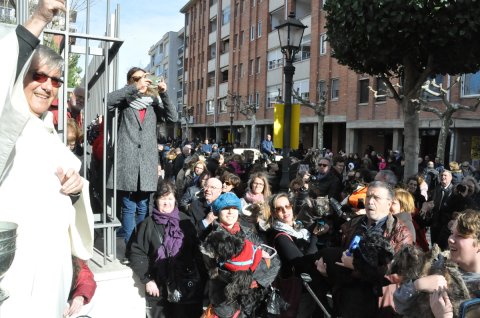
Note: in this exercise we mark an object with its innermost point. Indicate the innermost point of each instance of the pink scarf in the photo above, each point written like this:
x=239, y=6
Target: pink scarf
x=250, y=197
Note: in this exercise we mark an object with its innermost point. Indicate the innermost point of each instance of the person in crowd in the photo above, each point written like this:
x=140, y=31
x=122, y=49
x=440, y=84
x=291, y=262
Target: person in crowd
x=238, y=283
x=464, y=248
x=169, y=159
x=164, y=250
x=258, y=193
x=419, y=222
x=179, y=160
x=137, y=156
x=467, y=169
x=215, y=148
x=76, y=104
x=200, y=211
x=206, y=148
x=193, y=192
x=457, y=175
x=437, y=212
x=39, y=178
x=350, y=297
x=197, y=168
x=213, y=162
x=387, y=176
x=431, y=176
x=338, y=169
x=296, y=247
x=403, y=207
x=236, y=165
x=267, y=149
x=83, y=288
x=325, y=183
x=473, y=191
x=230, y=183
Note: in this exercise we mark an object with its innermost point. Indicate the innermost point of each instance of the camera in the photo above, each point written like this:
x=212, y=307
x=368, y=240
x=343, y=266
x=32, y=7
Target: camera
x=313, y=178
x=461, y=188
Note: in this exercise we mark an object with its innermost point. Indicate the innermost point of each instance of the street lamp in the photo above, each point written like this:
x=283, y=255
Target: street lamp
x=290, y=33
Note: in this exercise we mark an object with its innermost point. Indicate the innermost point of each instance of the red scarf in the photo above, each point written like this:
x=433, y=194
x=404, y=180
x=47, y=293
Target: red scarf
x=247, y=259
x=234, y=230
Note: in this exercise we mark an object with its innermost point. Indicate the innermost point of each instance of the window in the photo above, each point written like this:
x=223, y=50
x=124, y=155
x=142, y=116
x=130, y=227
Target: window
x=381, y=88
x=323, y=44
x=252, y=33
x=471, y=84
x=304, y=52
x=209, y=106
x=321, y=89
x=224, y=75
x=275, y=59
x=234, y=72
x=225, y=46
x=226, y=16
x=235, y=40
x=273, y=93
x=211, y=79
x=363, y=91
x=259, y=29
x=212, y=25
x=240, y=70
x=303, y=89
x=212, y=51
x=257, y=100
x=250, y=99
x=335, y=90
x=257, y=65
x=222, y=105
x=212, y=2
x=438, y=79
x=250, y=67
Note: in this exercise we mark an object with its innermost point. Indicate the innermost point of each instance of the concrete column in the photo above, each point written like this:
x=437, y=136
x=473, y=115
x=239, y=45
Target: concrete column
x=397, y=139
x=315, y=139
x=218, y=134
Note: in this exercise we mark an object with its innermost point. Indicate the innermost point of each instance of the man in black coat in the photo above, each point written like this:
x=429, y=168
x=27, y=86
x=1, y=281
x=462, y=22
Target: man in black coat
x=325, y=182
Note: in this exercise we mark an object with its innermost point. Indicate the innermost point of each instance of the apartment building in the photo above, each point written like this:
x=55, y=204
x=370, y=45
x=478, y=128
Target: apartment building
x=233, y=61
x=166, y=60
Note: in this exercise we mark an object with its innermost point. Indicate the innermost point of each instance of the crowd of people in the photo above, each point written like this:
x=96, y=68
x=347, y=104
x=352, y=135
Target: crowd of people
x=237, y=216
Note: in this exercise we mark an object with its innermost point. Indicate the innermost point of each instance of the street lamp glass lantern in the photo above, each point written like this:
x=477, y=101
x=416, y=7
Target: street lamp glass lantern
x=232, y=114
x=290, y=34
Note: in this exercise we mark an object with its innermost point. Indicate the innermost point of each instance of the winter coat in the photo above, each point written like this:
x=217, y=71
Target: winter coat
x=137, y=153
x=145, y=244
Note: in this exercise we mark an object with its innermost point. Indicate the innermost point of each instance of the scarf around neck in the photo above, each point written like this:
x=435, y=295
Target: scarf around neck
x=234, y=230
x=250, y=197
x=173, y=235
x=302, y=233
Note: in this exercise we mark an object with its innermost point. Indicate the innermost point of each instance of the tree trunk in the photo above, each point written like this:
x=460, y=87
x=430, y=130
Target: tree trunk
x=320, y=121
x=411, y=135
x=442, y=136
x=254, y=131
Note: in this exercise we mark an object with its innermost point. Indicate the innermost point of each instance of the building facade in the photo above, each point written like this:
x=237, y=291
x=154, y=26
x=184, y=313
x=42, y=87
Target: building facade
x=233, y=61
x=166, y=61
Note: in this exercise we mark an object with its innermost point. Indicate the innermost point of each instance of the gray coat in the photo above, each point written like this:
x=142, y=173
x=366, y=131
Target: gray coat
x=137, y=154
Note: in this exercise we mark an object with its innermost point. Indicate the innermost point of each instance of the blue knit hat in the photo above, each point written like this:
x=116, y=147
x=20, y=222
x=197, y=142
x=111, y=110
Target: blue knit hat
x=226, y=200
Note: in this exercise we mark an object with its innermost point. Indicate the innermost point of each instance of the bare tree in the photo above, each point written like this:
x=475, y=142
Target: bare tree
x=247, y=110
x=319, y=109
x=444, y=116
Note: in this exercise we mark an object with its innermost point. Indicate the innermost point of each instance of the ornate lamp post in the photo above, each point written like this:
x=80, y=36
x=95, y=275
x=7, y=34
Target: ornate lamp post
x=290, y=33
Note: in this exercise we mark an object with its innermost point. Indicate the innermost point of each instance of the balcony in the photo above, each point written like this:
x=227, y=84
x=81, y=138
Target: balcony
x=212, y=37
x=211, y=65
x=223, y=60
x=213, y=10
x=275, y=4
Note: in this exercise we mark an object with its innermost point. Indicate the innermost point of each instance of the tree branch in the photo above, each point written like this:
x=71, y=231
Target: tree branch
x=391, y=87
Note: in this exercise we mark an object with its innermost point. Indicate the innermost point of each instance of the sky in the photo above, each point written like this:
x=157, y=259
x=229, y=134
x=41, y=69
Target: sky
x=142, y=24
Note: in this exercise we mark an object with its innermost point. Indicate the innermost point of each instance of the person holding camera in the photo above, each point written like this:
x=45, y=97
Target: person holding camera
x=165, y=255
x=325, y=182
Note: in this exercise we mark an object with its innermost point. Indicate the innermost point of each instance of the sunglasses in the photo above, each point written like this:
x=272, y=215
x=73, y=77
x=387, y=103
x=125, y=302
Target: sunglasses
x=42, y=78
x=323, y=165
x=283, y=208
x=227, y=183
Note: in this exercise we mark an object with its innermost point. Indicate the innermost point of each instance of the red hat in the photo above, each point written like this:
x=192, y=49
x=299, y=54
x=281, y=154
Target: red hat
x=247, y=259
